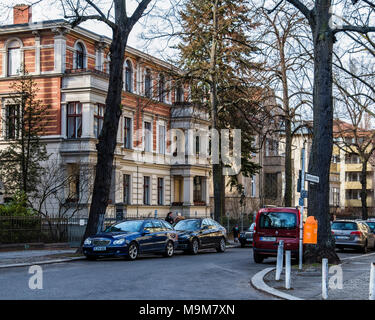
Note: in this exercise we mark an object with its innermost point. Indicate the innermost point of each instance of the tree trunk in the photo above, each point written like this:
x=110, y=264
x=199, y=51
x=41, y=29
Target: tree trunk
x=364, y=191
x=288, y=164
x=108, y=136
x=320, y=160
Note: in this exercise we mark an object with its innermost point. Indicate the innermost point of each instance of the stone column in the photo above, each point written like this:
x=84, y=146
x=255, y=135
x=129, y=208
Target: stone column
x=188, y=190
x=60, y=49
x=37, y=52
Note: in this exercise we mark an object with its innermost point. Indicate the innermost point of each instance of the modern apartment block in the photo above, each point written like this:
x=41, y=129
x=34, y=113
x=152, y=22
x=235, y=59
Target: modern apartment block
x=70, y=67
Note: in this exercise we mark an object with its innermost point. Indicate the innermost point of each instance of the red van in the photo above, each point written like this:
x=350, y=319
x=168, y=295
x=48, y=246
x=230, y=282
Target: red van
x=273, y=225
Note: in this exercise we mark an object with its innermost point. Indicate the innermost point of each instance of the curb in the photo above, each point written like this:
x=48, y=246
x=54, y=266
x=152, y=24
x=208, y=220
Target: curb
x=258, y=283
x=27, y=264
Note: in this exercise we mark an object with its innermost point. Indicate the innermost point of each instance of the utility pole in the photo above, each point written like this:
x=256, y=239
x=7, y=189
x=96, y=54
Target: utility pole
x=301, y=203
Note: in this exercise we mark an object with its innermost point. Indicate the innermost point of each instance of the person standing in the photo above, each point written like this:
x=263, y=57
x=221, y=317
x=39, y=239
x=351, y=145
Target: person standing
x=169, y=218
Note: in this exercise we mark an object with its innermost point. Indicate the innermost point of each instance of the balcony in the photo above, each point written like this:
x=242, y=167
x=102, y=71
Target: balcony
x=274, y=161
x=86, y=70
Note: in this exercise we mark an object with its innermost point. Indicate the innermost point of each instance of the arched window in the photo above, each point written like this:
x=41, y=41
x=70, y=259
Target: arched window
x=128, y=76
x=148, y=83
x=161, y=88
x=14, y=58
x=80, y=56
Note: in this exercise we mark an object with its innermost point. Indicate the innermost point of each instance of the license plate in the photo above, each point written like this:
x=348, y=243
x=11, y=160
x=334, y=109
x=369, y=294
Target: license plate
x=100, y=248
x=267, y=238
x=342, y=237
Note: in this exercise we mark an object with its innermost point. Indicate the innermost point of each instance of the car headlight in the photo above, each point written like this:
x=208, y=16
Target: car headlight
x=87, y=241
x=120, y=241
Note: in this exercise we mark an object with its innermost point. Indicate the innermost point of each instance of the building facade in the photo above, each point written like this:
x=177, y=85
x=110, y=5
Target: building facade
x=71, y=70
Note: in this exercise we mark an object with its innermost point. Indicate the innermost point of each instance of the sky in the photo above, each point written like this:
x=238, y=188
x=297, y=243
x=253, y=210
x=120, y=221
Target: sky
x=52, y=9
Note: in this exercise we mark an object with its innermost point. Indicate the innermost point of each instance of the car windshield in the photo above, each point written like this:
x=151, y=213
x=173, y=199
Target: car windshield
x=344, y=226
x=279, y=220
x=187, y=225
x=127, y=226
x=371, y=225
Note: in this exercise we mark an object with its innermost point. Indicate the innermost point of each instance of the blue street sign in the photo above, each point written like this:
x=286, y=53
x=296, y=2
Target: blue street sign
x=304, y=194
x=301, y=202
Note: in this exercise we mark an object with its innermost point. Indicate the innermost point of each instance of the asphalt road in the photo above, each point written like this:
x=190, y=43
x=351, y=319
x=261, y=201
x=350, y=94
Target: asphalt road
x=209, y=275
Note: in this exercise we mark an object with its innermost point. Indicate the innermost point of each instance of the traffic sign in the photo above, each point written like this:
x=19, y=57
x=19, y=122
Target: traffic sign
x=301, y=202
x=311, y=178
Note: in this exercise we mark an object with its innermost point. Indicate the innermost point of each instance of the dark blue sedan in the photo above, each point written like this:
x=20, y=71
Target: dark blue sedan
x=130, y=238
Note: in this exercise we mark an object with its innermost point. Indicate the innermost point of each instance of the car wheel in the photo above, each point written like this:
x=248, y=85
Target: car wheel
x=91, y=258
x=194, y=246
x=169, y=250
x=221, y=246
x=132, y=251
x=258, y=258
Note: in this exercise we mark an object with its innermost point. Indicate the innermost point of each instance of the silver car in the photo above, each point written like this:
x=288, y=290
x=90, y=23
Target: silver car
x=353, y=234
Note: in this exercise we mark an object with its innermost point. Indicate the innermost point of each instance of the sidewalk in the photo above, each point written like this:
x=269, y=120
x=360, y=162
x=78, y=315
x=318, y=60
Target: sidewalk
x=21, y=258
x=307, y=283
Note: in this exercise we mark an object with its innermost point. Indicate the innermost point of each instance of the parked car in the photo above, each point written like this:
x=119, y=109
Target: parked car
x=195, y=234
x=353, y=234
x=131, y=238
x=371, y=224
x=273, y=225
x=246, y=237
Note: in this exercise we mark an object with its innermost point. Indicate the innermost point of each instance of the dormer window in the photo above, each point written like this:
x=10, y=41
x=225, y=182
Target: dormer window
x=14, y=58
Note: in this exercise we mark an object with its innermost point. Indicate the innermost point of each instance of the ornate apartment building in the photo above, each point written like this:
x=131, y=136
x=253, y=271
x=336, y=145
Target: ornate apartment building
x=70, y=68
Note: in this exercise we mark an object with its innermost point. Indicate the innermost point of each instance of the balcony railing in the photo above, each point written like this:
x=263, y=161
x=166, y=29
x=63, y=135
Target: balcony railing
x=87, y=70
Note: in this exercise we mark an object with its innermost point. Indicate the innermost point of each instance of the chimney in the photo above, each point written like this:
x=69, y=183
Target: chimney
x=22, y=14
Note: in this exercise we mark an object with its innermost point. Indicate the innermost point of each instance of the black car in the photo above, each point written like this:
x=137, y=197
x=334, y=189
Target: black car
x=246, y=237
x=195, y=234
x=131, y=238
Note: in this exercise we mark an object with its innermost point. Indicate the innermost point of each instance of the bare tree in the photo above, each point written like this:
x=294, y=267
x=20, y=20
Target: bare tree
x=121, y=25
x=356, y=137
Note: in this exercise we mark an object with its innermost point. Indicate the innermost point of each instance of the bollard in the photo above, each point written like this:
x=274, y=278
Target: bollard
x=287, y=268
x=372, y=282
x=279, y=263
x=325, y=278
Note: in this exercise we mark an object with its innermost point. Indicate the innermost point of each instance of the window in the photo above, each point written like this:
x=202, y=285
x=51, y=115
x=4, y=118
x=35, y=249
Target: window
x=74, y=122
x=128, y=77
x=353, y=194
x=148, y=137
x=197, y=189
x=353, y=176
x=107, y=64
x=160, y=191
x=272, y=148
x=334, y=197
x=98, y=119
x=146, y=190
x=161, y=88
x=270, y=185
x=126, y=183
x=14, y=58
x=162, y=139
x=127, y=133
x=74, y=181
x=197, y=146
x=12, y=122
x=80, y=56
x=253, y=186
x=272, y=220
x=352, y=158
x=148, y=91
x=179, y=94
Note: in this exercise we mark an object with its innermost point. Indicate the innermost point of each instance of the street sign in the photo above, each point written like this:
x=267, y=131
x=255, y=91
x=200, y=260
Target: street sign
x=311, y=178
x=304, y=194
